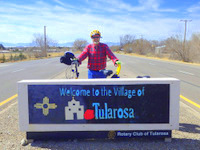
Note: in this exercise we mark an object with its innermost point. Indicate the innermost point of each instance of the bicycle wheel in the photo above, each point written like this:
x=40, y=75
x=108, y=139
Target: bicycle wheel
x=70, y=72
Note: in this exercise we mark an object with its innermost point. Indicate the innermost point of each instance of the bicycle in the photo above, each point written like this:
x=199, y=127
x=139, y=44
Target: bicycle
x=71, y=71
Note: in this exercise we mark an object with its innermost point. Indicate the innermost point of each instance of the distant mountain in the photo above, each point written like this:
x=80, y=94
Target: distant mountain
x=68, y=44
x=112, y=43
x=2, y=47
x=16, y=44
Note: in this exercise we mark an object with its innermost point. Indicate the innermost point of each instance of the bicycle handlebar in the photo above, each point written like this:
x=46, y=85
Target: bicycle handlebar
x=118, y=69
x=69, y=59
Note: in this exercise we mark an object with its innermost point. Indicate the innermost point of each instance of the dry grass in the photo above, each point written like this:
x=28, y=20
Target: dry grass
x=165, y=58
x=7, y=55
x=56, y=54
x=28, y=57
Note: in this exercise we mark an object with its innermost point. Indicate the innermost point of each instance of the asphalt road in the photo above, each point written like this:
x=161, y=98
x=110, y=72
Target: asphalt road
x=132, y=66
x=11, y=73
x=188, y=74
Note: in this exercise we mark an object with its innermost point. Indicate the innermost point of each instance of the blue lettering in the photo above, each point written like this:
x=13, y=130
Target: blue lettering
x=101, y=114
x=62, y=91
x=114, y=113
x=143, y=91
x=73, y=91
x=120, y=113
x=131, y=113
x=129, y=94
x=106, y=110
x=139, y=92
x=133, y=93
x=68, y=92
x=95, y=105
x=110, y=113
x=97, y=92
x=115, y=91
x=77, y=92
x=125, y=113
x=125, y=92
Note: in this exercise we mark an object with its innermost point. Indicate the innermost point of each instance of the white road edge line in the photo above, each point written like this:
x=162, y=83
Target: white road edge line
x=186, y=72
x=18, y=70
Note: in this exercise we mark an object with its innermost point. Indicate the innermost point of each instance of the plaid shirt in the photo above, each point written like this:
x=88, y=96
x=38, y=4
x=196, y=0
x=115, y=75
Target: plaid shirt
x=97, y=56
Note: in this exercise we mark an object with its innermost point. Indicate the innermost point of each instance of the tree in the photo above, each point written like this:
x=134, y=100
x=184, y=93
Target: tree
x=79, y=44
x=194, y=47
x=128, y=48
x=38, y=41
x=11, y=57
x=126, y=39
x=115, y=48
x=3, y=59
x=21, y=56
x=145, y=46
x=175, y=46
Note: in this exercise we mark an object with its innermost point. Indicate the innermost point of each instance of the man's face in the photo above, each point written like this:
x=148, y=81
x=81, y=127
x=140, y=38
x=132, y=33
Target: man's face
x=96, y=39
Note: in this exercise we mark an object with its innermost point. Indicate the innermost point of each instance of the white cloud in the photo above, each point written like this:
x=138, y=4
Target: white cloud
x=65, y=24
x=119, y=5
x=59, y=2
x=194, y=14
x=64, y=5
x=194, y=8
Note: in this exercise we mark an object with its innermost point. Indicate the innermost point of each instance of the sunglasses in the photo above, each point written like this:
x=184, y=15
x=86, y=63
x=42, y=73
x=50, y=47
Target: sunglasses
x=95, y=37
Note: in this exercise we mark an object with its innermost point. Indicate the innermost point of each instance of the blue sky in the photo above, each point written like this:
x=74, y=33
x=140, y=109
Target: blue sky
x=69, y=20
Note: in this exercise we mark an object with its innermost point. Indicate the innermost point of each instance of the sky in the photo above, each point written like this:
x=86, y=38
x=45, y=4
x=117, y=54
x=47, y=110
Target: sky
x=68, y=20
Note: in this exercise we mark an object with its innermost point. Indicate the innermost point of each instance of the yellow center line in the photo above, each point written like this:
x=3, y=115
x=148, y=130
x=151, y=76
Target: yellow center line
x=9, y=99
x=181, y=96
x=191, y=102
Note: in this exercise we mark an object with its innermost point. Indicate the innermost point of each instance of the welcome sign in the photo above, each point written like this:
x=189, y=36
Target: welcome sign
x=103, y=104
x=98, y=104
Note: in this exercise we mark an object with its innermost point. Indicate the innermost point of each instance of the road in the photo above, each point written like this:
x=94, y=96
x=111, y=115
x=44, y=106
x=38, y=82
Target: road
x=11, y=73
x=132, y=66
x=188, y=74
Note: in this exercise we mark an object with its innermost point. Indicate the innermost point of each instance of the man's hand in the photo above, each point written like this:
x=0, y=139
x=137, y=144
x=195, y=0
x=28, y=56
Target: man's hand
x=118, y=62
x=75, y=61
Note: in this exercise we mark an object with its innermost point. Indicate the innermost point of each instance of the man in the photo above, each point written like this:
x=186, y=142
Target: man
x=97, y=53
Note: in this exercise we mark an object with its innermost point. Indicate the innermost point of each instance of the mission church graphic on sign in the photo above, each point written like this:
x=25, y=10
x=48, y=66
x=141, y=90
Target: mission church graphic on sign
x=74, y=108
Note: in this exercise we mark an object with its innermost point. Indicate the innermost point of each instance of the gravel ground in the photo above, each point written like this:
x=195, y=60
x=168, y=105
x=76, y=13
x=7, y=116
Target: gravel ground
x=187, y=137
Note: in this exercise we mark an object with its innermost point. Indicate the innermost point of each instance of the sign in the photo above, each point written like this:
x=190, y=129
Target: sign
x=99, y=134
x=75, y=104
x=98, y=105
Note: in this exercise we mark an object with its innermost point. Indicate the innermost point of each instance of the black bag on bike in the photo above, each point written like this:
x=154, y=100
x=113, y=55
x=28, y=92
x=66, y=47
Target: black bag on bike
x=67, y=58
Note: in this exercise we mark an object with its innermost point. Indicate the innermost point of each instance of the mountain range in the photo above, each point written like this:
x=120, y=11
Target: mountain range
x=68, y=44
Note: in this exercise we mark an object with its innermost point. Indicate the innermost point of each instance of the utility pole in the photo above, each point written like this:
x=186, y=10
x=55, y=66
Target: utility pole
x=186, y=21
x=45, y=42
x=141, y=51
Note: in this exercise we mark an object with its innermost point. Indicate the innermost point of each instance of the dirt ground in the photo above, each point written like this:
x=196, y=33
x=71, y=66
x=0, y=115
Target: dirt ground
x=187, y=137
